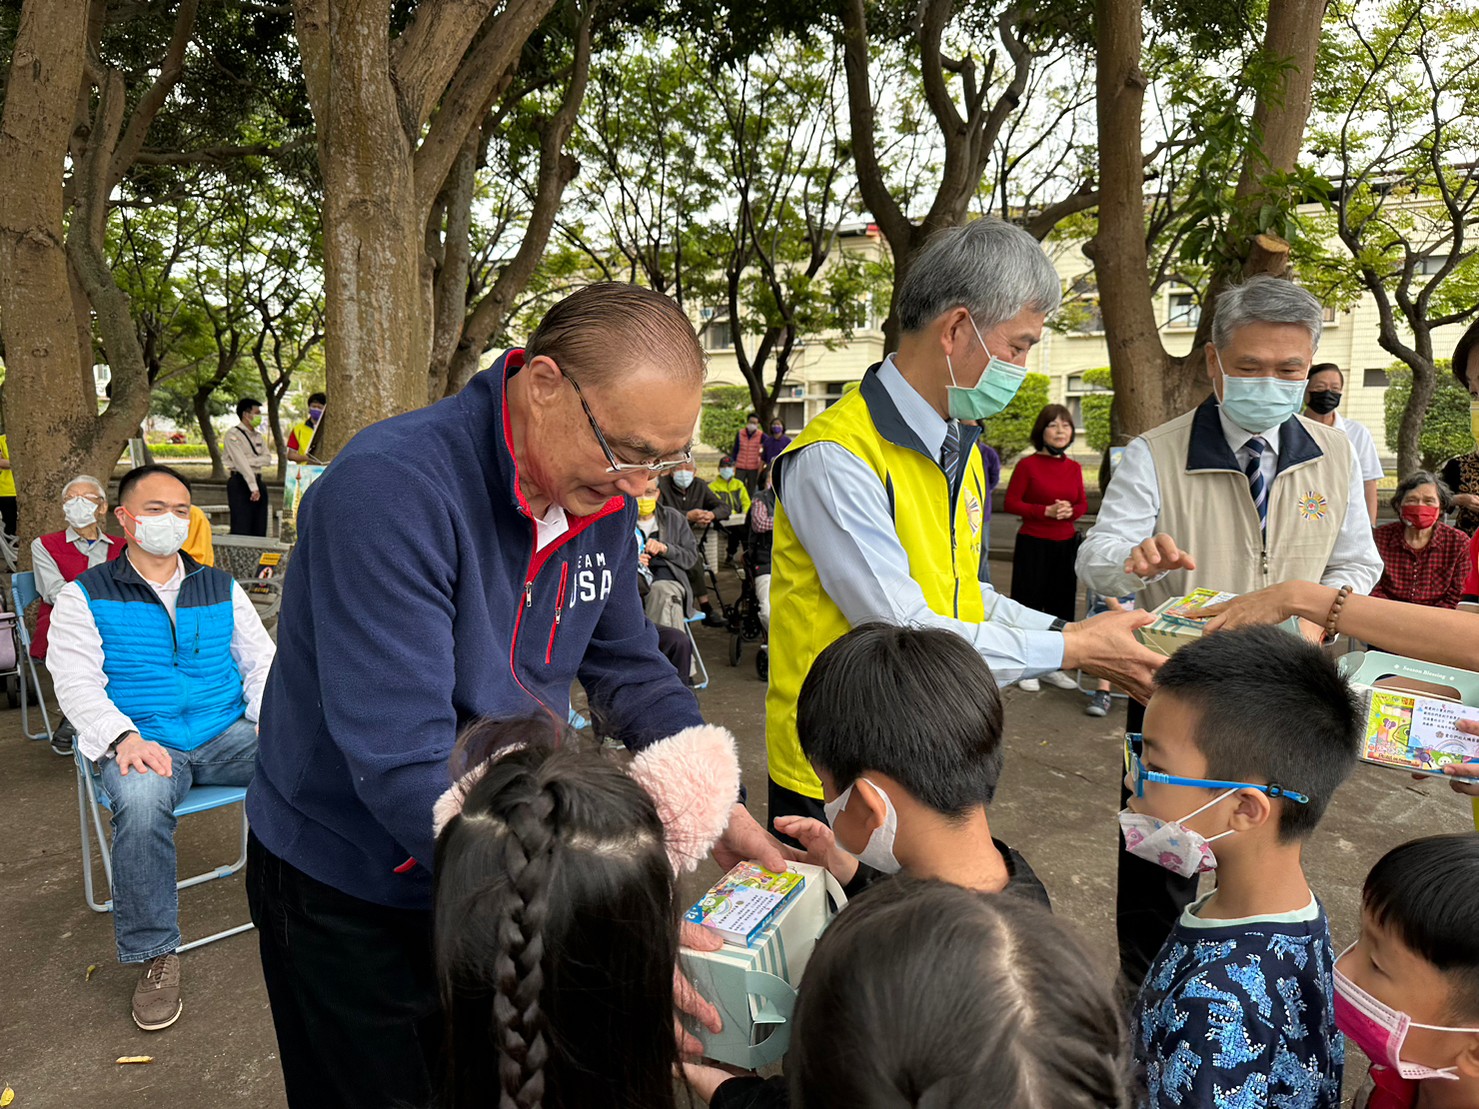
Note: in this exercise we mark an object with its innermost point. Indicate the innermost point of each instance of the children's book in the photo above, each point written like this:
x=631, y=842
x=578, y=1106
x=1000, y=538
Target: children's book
x=1412, y=732
x=1411, y=711
x=741, y=904
x=1177, y=621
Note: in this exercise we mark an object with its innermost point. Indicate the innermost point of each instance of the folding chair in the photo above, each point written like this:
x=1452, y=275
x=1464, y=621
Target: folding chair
x=91, y=798
x=698, y=658
x=23, y=594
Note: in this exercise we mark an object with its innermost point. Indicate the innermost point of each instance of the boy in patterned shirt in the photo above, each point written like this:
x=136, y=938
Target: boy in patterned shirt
x=1247, y=736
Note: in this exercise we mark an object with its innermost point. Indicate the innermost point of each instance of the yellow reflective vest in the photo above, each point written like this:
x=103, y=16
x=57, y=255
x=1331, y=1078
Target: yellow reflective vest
x=941, y=536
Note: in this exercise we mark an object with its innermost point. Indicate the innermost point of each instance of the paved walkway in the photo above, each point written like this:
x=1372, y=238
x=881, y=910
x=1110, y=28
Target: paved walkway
x=60, y=1031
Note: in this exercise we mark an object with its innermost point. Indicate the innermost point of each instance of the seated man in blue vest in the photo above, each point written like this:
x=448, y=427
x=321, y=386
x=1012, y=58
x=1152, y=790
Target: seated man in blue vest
x=159, y=663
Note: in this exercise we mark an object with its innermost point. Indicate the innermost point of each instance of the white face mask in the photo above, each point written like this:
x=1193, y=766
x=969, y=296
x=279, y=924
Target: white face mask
x=878, y=852
x=80, y=512
x=161, y=535
x=1169, y=843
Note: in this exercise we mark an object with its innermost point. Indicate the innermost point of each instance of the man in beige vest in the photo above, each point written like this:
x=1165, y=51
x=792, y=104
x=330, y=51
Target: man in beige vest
x=1237, y=494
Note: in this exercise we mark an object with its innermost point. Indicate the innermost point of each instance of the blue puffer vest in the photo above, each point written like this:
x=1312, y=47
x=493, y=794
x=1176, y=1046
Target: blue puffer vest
x=177, y=682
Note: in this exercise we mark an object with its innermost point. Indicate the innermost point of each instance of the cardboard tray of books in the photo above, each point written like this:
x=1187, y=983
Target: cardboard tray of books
x=1411, y=708
x=753, y=984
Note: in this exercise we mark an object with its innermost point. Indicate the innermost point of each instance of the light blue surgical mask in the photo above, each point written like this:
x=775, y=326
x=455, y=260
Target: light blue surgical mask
x=682, y=478
x=726, y=472
x=999, y=383
x=1257, y=404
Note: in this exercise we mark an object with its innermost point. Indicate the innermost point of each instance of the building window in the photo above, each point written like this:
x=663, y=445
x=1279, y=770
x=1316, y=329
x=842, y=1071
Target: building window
x=1374, y=379
x=716, y=333
x=1185, y=311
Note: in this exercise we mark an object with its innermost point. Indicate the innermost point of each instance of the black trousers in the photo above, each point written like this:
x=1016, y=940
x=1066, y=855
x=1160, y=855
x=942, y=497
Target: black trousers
x=1043, y=576
x=9, y=515
x=751, y=478
x=352, y=987
x=248, y=517
x=1148, y=897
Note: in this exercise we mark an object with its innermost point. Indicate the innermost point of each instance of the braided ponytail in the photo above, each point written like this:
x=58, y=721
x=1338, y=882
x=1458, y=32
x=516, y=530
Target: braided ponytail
x=555, y=930
x=519, y=1024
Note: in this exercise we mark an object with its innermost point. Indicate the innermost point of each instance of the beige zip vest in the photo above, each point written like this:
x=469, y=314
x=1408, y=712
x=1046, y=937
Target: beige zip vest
x=1207, y=508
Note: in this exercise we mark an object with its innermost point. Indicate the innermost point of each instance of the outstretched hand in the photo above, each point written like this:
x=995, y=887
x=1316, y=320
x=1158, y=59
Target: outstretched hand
x=1105, y=646
x=744, y=841
x=1265, y=606
x=820, y=844
x=1157, y=555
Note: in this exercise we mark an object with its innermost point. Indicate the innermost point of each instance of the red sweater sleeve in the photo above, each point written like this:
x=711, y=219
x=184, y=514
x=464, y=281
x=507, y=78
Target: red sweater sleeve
x=1017, y=491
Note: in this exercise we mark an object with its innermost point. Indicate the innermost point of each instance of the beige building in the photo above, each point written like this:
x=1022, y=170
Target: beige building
x=821, y=369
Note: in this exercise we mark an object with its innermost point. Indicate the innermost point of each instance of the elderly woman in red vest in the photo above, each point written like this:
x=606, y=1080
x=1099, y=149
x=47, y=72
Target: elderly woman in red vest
x=61, y=556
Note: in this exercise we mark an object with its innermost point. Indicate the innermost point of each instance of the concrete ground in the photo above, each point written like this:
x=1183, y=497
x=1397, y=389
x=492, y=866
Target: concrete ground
x=61, y=1030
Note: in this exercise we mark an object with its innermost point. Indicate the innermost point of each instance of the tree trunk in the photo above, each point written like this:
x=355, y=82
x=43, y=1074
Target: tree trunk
x=1137, y=360
x=52, y=424
x=201, y=402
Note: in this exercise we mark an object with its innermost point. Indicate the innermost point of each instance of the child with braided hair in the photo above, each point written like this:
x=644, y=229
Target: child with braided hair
x=555, y=923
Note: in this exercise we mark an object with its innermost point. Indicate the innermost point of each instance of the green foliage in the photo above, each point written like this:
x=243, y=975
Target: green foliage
x=724, y=411
x=178, y=450
x=1096, y=408
x=1010, y=432
x=1446, y=431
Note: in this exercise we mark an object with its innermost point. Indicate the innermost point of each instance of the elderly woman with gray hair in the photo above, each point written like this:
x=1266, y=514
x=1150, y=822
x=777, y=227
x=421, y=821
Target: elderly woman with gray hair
x=61, y=556
x=1425, y=559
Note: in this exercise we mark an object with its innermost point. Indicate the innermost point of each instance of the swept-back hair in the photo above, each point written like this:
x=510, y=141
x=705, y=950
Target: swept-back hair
x=596, y=333
x=926, y=994
x=555, y=930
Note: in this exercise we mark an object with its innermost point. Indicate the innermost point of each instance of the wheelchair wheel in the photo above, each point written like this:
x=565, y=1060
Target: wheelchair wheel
x=736, y=649
x=762, y=663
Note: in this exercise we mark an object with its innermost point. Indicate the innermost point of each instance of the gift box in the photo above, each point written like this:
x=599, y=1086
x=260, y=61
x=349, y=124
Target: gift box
x=754, y=987
x=1176, y=623
x=1410, y=711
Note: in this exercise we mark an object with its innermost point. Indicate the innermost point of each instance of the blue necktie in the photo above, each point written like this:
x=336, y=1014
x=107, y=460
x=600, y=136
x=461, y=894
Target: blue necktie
x=1256, y=486
x=950, y=453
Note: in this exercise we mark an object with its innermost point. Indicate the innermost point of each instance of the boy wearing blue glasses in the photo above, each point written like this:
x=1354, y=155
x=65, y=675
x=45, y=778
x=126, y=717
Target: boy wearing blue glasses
x=1246, y=738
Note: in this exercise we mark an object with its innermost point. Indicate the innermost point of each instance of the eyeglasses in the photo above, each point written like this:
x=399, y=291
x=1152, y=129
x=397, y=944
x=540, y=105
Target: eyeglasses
x=615, y=467
x=1138, y=775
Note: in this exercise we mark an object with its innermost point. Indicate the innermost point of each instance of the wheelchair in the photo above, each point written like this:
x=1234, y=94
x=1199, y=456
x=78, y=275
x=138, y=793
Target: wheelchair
x=743, y=617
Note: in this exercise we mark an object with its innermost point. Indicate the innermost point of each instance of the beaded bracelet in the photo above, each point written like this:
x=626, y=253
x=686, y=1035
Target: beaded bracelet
x=1335, y=607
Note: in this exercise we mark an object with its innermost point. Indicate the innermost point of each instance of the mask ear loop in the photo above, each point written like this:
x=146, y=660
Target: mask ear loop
x=1215, y=801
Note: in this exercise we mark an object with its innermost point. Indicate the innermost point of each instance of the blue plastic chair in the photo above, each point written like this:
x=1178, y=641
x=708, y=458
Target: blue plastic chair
x=92, y=798
x=23, y=594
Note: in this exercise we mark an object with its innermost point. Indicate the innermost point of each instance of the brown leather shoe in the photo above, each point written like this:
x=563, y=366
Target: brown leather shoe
x=157, y=1001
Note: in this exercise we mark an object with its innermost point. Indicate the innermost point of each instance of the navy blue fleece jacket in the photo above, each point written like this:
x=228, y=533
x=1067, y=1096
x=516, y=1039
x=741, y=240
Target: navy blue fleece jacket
x=415, y=603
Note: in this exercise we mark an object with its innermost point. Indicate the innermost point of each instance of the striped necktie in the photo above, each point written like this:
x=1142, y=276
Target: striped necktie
x=950, y=453
x=1256, y=486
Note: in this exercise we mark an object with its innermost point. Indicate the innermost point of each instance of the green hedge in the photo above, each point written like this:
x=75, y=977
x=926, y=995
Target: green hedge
x=1446, y=432
x=1010, y=432
x=1096, y=408
x=177, y=450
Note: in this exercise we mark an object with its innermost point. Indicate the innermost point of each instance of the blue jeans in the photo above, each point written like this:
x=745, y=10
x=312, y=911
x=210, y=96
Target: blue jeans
x=145, y=901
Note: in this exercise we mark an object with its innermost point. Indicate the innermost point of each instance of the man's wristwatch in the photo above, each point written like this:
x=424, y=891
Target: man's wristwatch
x=1058, y=624
x=112, y=751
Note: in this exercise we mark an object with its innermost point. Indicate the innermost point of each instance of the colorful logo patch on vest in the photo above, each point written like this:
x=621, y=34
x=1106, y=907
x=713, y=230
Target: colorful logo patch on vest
x=1312, y=506
x=973, y=512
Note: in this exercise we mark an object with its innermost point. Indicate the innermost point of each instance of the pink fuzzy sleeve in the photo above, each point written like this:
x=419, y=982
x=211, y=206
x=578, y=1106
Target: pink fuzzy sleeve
x=694, y=779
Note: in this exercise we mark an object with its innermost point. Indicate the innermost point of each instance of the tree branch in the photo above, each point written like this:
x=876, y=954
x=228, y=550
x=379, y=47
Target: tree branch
x=154, y=97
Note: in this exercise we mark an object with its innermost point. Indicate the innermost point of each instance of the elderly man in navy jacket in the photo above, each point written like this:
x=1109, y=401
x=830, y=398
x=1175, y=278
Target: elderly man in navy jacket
x=467, y=560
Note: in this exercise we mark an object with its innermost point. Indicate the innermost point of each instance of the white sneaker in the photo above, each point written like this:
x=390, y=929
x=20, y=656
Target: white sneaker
x=1029, y=684
x=1059, y=680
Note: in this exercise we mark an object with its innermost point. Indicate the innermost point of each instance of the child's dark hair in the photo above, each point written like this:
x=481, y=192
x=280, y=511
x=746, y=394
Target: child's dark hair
x=555, y=930
x=1426, y=892
x=1271, y=709
x=924, y=993
x=917, y=704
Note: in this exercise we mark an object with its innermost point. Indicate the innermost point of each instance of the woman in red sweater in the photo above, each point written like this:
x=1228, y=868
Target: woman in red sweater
x=1047, y=491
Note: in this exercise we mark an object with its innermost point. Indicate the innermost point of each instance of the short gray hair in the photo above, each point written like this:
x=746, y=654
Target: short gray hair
x=1416, y=480
x=1265, y=299
x=86, y=479
x=988, y=266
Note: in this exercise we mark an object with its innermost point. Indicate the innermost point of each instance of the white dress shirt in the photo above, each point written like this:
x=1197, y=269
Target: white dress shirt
x=1365, y=449
x=1132, y=505
x=75, y=659
x=245, y=452
x=49, y=579
x=840, y=512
